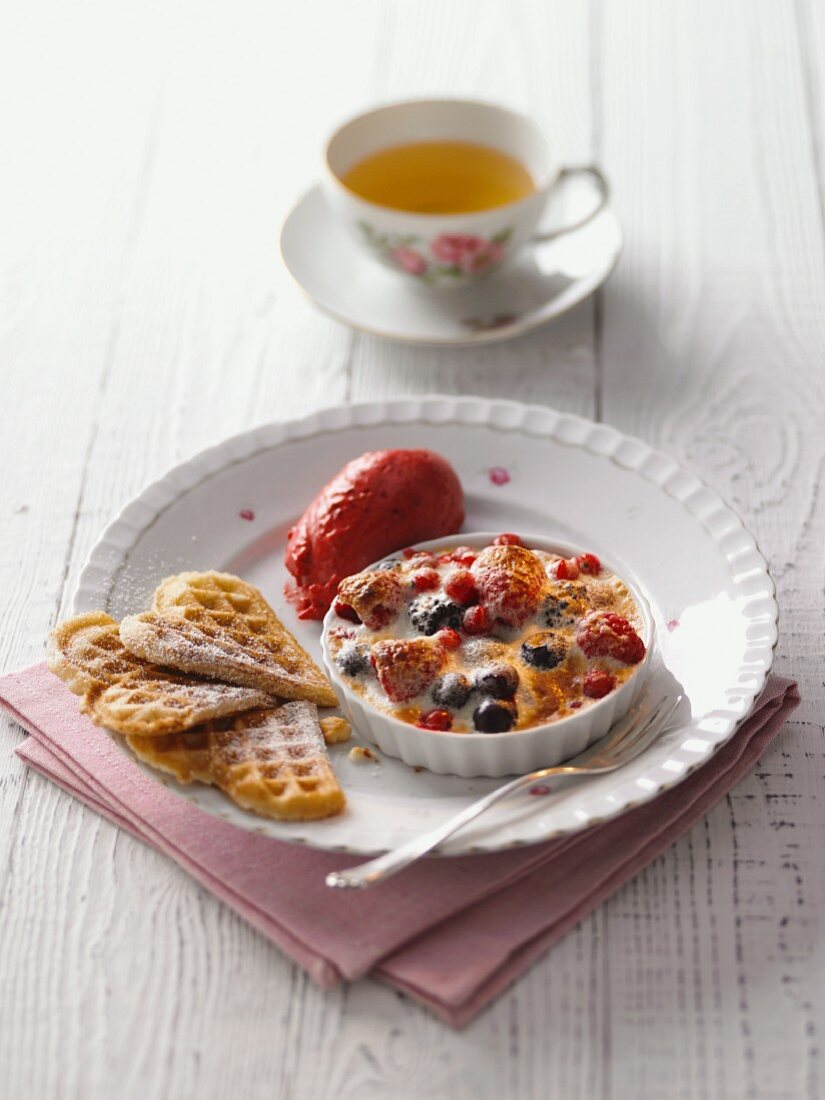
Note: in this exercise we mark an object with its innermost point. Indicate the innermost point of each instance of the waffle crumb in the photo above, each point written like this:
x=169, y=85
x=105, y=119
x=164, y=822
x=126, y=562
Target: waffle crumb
x=335, y=730
x=361, y=755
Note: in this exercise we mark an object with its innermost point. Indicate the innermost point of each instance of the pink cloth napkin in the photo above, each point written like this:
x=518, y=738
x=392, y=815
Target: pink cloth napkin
x=452, y=933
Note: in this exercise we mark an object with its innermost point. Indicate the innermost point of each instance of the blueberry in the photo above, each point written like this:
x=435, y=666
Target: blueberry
x=451, y=690
x=544, y=650
x=352, y=659
x=499, y=681
x=494, y=716
x=433, y=611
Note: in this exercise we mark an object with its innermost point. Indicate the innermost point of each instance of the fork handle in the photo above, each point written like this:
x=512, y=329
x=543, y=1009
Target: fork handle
x=375, y=870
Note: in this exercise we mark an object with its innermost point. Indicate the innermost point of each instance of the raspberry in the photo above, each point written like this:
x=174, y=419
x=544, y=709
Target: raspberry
x=409, y=551
x=507, y=539
x=461, y=587
x=344, y=611
x=425, y=579
x=605, y=634
x=435, y=720
x=421, y=559
x=598, y=683
x=449, y=638
x=477, y=620
x=589, y=563
x=567, y=569
x=462, y=555
x=406, y=666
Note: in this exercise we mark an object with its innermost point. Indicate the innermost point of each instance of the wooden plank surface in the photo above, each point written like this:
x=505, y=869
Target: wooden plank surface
x=149, y=158
x=719, y=310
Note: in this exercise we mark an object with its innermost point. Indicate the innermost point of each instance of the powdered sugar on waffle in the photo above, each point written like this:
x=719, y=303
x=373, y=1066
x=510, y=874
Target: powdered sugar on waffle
x=180, y=643
x=291, y=731
x=204, y=648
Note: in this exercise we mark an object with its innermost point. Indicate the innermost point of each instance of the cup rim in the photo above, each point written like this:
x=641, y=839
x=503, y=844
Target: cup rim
x=539, y=542
x=438, y=220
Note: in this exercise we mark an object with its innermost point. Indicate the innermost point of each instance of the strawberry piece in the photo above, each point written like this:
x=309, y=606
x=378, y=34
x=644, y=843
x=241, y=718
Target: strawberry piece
x=377, y=597
x=406, y=666
x=440, y=720
x=589, y=563
x=605, y=634
x=426, y=579
x=510, y=580
x=507, y=539
x=461, y=587
x=598, y=683
x=477, y=620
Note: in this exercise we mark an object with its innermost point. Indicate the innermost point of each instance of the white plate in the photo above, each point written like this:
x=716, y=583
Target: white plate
x=543, y=283
x=570, y=479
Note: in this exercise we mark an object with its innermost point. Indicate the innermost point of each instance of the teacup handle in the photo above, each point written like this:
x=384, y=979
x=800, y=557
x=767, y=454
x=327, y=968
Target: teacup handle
x=604, y=195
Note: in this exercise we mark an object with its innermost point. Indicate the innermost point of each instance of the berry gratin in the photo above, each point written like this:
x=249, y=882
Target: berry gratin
x=487, y=639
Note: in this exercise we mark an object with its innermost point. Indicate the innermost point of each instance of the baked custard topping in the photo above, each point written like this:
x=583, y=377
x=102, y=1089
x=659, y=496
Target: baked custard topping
x=485, y=639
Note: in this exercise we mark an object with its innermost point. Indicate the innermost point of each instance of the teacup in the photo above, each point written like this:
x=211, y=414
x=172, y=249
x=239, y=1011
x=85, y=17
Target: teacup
x=445, y=251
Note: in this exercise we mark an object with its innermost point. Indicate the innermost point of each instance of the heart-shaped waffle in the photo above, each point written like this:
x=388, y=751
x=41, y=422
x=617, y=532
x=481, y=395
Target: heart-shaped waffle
x=217, y=625
x=272, y=762
x=132, y=696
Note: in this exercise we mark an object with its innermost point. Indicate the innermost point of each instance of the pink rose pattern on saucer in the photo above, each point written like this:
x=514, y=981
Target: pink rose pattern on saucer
x=472, y=255
x=449, y=257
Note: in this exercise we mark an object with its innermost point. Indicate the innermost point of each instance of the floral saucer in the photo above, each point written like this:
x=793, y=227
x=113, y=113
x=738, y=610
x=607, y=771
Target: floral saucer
x=546, y=280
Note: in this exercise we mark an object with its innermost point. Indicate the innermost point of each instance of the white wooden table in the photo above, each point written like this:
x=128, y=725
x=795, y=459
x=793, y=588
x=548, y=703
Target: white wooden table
x=149, y=151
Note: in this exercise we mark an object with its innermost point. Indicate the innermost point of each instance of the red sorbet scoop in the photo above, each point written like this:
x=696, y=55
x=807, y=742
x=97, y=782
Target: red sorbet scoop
x=378, y=503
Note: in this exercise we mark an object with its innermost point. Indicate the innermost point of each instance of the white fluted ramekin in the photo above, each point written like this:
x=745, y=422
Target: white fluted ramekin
x=495, y=754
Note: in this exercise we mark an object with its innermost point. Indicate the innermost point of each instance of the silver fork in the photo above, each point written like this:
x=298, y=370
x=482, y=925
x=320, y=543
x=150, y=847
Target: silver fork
x=623, y=743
